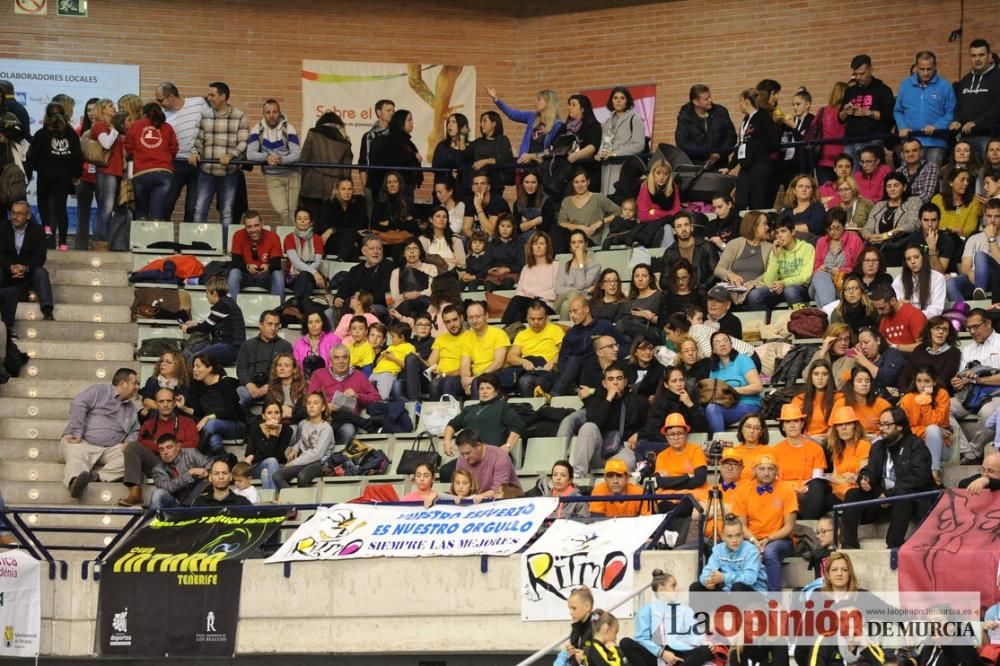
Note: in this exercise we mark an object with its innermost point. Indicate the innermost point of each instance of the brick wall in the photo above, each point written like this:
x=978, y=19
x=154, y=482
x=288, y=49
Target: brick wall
x=257, y=47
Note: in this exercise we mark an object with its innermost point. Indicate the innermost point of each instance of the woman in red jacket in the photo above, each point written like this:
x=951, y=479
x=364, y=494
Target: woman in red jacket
x=152, y=143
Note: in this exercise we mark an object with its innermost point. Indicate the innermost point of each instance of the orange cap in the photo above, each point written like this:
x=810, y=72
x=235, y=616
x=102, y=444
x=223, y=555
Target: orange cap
x=791, y=412
x=843, y=415
x=766, y=460
x=615, y=466
x=730, y=453
x=675, y=420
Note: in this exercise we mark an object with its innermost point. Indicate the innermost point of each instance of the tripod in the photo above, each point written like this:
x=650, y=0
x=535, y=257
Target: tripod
x=716, y=508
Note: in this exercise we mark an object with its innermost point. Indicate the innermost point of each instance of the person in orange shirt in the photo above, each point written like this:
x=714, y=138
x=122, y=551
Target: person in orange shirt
x=616, y=483
x=752, y=436
x=859, y=395
x=817, y=402
x=768, y=509
x=802, y=463
x=681, y=468
x=731, y=469
x=927, y=406
x=849, y=452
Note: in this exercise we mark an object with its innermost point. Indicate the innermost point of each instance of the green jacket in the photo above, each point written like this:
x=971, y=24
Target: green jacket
x=493, y=420
x=791, y=267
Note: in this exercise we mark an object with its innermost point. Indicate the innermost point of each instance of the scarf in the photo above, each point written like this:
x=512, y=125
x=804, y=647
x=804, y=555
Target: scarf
x=305, y=248
x=166, y=383
x=575, y=125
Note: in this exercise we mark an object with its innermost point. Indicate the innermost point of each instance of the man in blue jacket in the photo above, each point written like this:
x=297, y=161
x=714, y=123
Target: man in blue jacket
x=926, y=103
x=735, y=564
x=577, y=351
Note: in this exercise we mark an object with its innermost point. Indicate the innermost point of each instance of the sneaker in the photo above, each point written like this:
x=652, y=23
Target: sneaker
x=979, y=294
x=78, y=485
x=47, y=316
x=63, y=247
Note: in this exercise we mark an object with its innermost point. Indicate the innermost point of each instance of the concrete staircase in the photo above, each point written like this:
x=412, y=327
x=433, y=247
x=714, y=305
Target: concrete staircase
x=89, y=340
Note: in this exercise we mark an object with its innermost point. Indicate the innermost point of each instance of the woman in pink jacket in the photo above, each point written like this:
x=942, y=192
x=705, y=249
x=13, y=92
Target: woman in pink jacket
x=836, y=252
x=659, y=199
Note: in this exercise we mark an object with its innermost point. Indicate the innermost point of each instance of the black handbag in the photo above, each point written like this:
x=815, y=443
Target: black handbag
x=414, y=456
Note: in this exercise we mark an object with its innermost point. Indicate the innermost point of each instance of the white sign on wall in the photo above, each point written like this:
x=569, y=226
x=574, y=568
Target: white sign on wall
x=20, y=604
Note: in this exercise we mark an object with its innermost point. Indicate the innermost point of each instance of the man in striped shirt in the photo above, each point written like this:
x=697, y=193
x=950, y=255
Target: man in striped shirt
x=222, y=135
x=184, y=115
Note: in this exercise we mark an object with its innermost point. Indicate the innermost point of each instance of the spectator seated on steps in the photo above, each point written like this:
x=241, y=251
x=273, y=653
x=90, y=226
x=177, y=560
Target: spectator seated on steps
x=224, y=325
x=23, y=255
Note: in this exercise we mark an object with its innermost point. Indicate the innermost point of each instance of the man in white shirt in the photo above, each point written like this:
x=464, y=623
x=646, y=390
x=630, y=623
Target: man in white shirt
x=184, y=115
x=984, y=349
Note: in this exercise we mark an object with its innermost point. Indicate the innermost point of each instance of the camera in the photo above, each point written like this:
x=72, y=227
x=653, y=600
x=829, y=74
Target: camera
x=713, y=451
x=260, y=378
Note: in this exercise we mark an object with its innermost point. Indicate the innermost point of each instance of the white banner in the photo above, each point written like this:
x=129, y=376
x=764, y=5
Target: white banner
x=572, y=554
x=20, y=604
x=36, y=82
x=429, y=92
x=349, y=531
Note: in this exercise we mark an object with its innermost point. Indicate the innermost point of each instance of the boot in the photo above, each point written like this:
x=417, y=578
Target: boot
x=134, y=497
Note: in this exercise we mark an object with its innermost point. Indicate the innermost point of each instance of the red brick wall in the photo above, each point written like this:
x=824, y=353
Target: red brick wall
x=257, y=47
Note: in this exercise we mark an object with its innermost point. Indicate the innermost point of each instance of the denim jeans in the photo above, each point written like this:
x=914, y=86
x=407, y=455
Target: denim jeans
x=821, y=288
x=451, y=385
x=151, y=191
x=217, y=430
x=984, y=267
x=161, y=499
x=979, y=144
x=220, y=351
x=107, y=199
x=264, y=470
x=762, y=298
x=719, y=417
x=934, y=438
x=273, y=280
x=774, y=554
x=936, y=155
x=207, y=186
x=184, y=177
x=85, y=192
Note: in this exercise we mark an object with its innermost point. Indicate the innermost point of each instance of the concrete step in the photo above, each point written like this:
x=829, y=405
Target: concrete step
x=51, y=493
x=36, y=386
x=31, y=471
x=52, y=331
x=90, y=295
x=34, y=408
x=37, y=428
x=82, y=258
x=73, y=313
x=952, y=474
x=86, y=276
x=18, y=451
x=93, y=371
x=81, y=351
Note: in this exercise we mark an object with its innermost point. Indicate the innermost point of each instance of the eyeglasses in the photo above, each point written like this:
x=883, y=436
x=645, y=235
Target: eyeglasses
x=676, y=435
x=852, y=288
x=610, y=280
x=883, y=424
x=613, y=345
x=974, y=327
x=846, y=340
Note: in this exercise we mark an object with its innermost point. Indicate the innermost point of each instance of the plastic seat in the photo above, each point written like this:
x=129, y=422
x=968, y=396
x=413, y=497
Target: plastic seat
x=566, y=401
x=204, y=232
x=541, y=452
x=147, y=332
x=616, y=259
x=253, y=304
x=266, y=494
x=145, y=233
x=296, y=495
x=336, y=493
x=283, y=230
x=139, y=260
x=751, y=316
x=200, y=307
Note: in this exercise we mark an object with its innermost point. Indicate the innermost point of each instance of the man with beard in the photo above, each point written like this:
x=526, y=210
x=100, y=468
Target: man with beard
x=899, y=464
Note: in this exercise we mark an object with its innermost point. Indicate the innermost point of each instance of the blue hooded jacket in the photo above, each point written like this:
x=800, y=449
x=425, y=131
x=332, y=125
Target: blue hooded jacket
x=919, y=106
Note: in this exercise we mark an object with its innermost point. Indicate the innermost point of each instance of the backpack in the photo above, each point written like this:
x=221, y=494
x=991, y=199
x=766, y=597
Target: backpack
x=808, y=323
x=155, y=347
x=13, y=185
x=392, y=417
x=161, y=303
x=93, y=151
x=15, y=358
x=788, y=369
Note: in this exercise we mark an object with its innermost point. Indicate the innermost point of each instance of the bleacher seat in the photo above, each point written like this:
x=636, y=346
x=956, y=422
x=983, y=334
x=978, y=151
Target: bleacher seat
x=566, y=401
x=204, y=232
x=331, y=268
x=540, y=453
x=283, y=230
x=144, y=233
x=296, y=495
x=200, y=307
x=140, y=260
x=147, y=332
x=616, y=259
x=255, y=303
x=336, y=493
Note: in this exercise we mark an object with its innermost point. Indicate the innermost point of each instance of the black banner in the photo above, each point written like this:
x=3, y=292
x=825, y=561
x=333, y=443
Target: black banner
x=173, y=588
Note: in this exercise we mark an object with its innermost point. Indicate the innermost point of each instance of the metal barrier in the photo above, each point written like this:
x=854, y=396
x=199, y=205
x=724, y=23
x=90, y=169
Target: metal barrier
x=879, y=501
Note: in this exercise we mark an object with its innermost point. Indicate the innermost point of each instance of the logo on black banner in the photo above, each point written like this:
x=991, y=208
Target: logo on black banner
x=120, y=636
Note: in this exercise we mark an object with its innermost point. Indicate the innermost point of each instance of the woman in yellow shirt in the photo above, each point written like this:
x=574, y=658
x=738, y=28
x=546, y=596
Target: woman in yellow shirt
x=958, y=204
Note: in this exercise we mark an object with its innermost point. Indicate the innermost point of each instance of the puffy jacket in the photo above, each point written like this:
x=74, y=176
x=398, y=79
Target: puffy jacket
x=699, y=137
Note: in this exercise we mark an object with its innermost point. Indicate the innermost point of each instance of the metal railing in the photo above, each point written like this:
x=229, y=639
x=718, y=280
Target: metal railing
x=879, y=501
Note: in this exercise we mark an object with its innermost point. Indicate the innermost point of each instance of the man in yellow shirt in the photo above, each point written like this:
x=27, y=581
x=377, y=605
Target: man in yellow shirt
x=535, y=350
x=445, y=362
x=486, y=349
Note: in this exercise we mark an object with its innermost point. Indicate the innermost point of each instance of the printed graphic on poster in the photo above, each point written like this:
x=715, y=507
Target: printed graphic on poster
x=350, y=531
x=351, y=89
x=20, y=604
x=571, y=554
x=31, y=7
x=191, y=564
x=643, y=96
x=36, y=82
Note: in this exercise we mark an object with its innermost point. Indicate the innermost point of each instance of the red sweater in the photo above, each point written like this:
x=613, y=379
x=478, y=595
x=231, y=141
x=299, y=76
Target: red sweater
x=116, y=163
x=151, y=148
x=268, y=250
x=904, y=327
x=181, y=426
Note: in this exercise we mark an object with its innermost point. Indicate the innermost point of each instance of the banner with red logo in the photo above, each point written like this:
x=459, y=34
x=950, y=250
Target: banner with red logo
x=20, y=604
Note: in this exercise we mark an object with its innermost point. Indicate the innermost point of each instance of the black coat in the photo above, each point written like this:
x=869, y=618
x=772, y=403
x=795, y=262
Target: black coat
x=704, y=260
x=667, y=403
x=911, y=461
x=395, y=150
x=374, y=280
x=33, y=252
x=699, y=138
x=607, y=415
x=761, y=140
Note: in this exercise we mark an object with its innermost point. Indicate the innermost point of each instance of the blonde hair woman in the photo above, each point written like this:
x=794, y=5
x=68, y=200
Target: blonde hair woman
x=543, y=124
x=849, y=198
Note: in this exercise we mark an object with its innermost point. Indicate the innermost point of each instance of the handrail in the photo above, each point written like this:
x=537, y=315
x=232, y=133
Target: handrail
x=860, y=504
